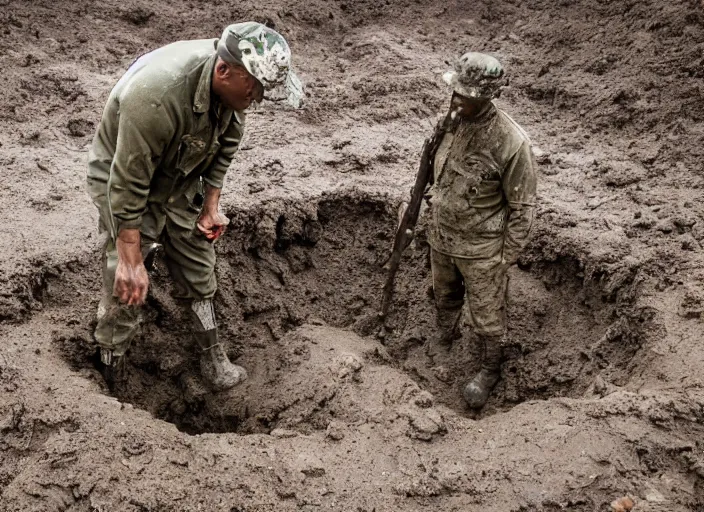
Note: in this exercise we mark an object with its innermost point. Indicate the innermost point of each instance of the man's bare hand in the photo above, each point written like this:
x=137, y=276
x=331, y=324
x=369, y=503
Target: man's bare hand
x=131, y=284
x=131, y=278
x=212, y=224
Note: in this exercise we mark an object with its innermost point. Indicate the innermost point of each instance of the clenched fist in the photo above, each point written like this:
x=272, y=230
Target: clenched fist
x=212, y=224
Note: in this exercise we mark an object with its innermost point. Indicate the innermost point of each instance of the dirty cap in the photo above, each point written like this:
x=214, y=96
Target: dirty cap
x=265, y=54
x=476, y=75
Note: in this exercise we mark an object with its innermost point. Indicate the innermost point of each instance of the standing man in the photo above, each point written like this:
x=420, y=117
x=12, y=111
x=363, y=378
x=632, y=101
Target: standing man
x=168, y=134
x=482, y=202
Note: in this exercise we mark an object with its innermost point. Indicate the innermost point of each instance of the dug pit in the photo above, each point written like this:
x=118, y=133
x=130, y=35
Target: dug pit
x=299, y=291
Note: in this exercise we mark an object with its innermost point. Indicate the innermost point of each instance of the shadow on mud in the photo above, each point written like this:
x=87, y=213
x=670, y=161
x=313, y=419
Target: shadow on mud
x=283, y=265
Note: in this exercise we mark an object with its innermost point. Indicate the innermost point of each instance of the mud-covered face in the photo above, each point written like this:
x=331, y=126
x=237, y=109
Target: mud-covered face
x=236, y=87
x=467, y=107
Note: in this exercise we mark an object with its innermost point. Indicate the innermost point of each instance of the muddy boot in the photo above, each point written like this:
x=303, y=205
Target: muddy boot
x=112, y=367
x=215, y=367
x=477, y=391
x=448, y=322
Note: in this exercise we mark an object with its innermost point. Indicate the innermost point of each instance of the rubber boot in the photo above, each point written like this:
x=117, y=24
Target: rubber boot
x=112, y=368
x=215, y=366
x=448, y=320
x=477, y=391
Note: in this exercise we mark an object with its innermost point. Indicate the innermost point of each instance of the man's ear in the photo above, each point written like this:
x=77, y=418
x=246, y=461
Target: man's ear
x=223, y=70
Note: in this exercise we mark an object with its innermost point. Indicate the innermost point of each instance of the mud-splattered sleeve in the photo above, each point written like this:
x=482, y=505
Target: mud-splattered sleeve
x=519, y=184
x=229, y=144
x=145, y=126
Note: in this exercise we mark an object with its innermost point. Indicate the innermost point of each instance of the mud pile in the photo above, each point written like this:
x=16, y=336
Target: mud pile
x=601, y=389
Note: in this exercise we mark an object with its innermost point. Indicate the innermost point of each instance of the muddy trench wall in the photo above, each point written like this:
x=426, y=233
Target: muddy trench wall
x=283, y=265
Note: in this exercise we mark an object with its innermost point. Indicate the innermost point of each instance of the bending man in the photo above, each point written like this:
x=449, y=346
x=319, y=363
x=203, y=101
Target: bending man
x=167, y=136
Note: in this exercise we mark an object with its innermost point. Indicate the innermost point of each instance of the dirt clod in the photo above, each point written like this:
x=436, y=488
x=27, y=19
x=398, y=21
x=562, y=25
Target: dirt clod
x=138, y=15
x=624, y=504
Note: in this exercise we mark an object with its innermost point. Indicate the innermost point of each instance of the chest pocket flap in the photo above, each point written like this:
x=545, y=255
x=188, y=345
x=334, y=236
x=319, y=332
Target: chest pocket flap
x=191, y=152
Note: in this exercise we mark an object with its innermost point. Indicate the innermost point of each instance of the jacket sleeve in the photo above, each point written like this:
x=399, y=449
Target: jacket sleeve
x=145, y=127
x=519, y=184
x=229, y=144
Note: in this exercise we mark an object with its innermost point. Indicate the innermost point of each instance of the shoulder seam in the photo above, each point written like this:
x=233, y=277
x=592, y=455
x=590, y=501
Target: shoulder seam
x=517, y=126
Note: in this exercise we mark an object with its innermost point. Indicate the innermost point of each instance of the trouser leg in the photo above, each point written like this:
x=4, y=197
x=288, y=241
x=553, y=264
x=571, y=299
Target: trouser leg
x=190, y=258
x=191, y=262
x=117, y=323
x=449, y=290
x=486, y=283
x=487, y=287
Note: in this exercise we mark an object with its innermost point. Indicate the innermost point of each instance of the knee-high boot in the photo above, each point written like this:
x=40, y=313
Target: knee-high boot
x=215, y=366
x=477, y=391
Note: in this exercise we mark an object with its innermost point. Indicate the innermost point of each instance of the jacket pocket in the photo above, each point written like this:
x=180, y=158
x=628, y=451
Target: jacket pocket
x=454, y=194
x=195, y=195
x=486, y=195
x=191, y=152
x=209, y=157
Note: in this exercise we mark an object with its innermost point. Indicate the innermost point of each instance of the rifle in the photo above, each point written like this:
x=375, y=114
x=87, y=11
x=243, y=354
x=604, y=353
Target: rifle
x=404, y=233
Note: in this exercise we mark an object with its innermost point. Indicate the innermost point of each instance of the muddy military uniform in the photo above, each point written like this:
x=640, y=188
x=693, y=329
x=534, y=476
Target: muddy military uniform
x=482, y=211
x=482, y=206
x=163, y=136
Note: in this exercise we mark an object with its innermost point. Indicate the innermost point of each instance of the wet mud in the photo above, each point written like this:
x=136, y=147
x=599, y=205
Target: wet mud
x=601, y=391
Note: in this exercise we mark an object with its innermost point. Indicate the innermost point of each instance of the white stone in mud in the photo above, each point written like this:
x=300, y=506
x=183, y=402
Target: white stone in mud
x=347, y=364
x=335, y=431
x=654, y=496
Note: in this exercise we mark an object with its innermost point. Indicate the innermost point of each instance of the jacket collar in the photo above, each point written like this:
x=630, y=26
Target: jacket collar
x=486, y=114
x=201, y=100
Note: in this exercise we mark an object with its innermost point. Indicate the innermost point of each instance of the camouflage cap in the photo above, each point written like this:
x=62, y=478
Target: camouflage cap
x=265, y=54
x=476, y=75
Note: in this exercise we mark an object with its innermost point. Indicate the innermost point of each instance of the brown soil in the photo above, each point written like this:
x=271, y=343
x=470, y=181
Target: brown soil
x=601, y=395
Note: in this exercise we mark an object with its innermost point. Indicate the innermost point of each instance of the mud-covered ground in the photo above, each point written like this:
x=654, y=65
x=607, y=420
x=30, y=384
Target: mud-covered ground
x=601, y=396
